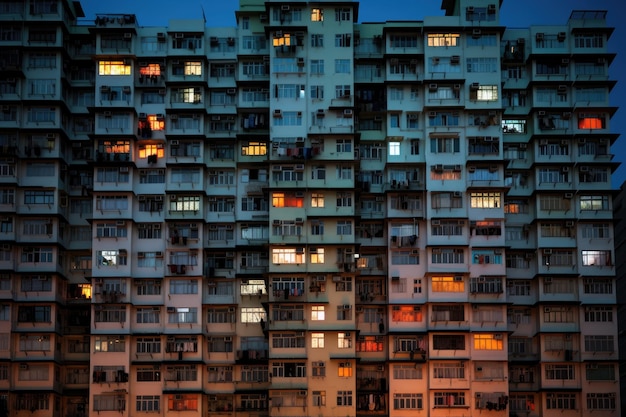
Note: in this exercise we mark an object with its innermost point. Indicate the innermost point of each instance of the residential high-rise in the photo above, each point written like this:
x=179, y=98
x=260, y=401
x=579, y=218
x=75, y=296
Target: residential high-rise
x=304, y=215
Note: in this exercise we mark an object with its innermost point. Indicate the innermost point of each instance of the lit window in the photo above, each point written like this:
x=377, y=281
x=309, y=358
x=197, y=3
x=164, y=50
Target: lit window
x=485, y=200
x=317, y=340
x=394, y=148
x=287, y=200
x=488, y=342
x=146, y=151
x=317, y=200
x=113, y=68
x=448, y=284
x=193, y=68
x=443, y=39
x=317, y=255
x=156, y=122
x=484, y=93
x=151, y=69
x=254, y=149
x=591, y=121
x=318, y=313
x=345, y=370
x=287, y=256
x=317, y=15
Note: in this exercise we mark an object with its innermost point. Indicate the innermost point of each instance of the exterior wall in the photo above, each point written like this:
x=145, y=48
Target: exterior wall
x=306, y=215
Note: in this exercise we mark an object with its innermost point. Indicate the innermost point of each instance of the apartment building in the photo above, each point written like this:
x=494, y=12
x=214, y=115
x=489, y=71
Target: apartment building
x=305, y=215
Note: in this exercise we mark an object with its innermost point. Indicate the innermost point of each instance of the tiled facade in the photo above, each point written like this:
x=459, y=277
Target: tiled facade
x=302, y=215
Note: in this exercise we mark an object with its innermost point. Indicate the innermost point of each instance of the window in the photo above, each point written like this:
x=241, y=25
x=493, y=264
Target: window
x=148, y=287
x=148, y=315
x=488, y=342
x=343, y=40
x=343, y=14
x=448, y=342
x=317, y=15
x=318, y=313
x=561, y=401
x=558, y=314
x=182, y=402
x=149, y=345
x=408, y=401
x=449, y=399
x=560, y=371
x=344, y=341
x=36, y=255
x=409, y=314
x=484, y=93
x=114, y=68
x=407, y=372
x=599, y=343
x=449, y=370
x=594, y=202
x=252, y=314
x=179, y=315
x=598, y=314
x=370, y=343
x=394, y=148
x=289, y=369
x=148, y=403
x=317, y=40
x=319, y=398
x=485, y=200
x=109, y=344
x=447, y=256
x=317, y=340
x=596, y=258
x=600, y=372
x=601, y=401
x=443, y=39
x=588, y=40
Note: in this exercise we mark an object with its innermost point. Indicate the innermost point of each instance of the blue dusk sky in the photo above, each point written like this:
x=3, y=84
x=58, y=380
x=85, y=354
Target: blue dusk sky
x=515, y=13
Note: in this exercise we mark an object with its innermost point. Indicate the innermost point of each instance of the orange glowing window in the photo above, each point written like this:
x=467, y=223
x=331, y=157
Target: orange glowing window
x=148, y=150
x=151, y=69
x=287, y=200
x=156, y=123
x=591, y=122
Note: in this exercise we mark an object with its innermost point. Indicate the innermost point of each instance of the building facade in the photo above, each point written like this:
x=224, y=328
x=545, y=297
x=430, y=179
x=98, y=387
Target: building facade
x=304, y=215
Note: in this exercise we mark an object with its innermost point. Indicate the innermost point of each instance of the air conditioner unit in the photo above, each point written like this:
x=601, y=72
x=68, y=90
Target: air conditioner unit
x=476, y=32
x=436, y=222
x=347, y=113
x=299, y=167
x=432, y=114
x=569, y=195
x=565, y=61
x=173, y=197
x=457, y=194
x=179, y=35
x=174, y=143
x=432, y=87
x=231, y=91
x=541, y=113
x=23, y=366
x=346, y=307
x=277, y=113
x=539, y=36
x=561, y=36
x=285, y=7
x=336, y=278
x=299, y=220
x=475, y=86
x=569, y=223
x=455, y=59
x=128, y=35
x=547, y=251
x=171, y=309
x=107, y=114
x=161, y=37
